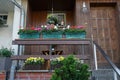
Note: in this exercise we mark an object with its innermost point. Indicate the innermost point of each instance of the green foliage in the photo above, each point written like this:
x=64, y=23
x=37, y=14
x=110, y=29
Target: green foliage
x=57, y=60
x=74, y=30
x=27, y=31
x=72, y=69
x=49, y=31
x=52, y=20
x=4, y=52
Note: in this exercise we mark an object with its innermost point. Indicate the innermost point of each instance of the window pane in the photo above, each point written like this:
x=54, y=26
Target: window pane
x=5, y=17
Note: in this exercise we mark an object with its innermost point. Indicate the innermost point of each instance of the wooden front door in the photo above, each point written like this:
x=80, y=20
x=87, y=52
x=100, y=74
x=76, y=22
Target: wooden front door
x=103, y=28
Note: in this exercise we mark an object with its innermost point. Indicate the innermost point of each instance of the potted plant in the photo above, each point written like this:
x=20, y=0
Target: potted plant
x=5, y=61
x=33, y=63
x=29, y=33
x=51, y=31
x=75, y=32
x=51, y=19
x=56, y=62
x=72, y=69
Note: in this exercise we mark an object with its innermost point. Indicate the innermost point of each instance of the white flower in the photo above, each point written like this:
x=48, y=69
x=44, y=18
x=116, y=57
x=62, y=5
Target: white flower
x=63, y=28
x=42, y=26
x=68, y=26
x=55, y=27
x=45, y=26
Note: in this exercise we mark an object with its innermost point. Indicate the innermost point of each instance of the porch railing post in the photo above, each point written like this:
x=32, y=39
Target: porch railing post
x=95, y=57
x=115, y=75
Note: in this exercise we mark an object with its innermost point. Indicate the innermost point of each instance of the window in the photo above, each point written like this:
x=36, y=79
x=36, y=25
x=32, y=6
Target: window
x=4, y=18
x=61, y=18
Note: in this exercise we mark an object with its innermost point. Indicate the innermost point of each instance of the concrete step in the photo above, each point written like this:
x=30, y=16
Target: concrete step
x=104, y=74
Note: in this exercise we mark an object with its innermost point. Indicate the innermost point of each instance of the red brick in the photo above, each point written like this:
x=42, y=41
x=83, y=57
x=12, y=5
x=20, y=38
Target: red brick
x=33, y=75
x=2, y=76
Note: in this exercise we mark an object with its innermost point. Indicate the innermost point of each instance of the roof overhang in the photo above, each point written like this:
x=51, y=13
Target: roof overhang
x=58, y=5
x=6, y=6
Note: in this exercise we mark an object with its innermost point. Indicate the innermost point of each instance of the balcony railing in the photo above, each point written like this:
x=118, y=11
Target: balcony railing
x=20, y=58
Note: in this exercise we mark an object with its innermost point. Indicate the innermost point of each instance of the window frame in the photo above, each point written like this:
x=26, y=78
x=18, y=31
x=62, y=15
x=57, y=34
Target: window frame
x=6, y=20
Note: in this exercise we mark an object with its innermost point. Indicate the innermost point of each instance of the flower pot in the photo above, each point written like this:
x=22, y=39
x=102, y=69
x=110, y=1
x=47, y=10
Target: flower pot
x=32, y=67
x=52, y=35
x=29, y=36
x=5, y=63
x=55, y=66
x=81, y=35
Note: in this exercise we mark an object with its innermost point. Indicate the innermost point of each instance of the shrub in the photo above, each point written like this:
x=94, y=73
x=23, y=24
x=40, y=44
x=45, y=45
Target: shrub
x=72, y=69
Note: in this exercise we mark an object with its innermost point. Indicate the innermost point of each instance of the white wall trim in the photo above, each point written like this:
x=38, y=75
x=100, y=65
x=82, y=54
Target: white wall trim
x=16, y=25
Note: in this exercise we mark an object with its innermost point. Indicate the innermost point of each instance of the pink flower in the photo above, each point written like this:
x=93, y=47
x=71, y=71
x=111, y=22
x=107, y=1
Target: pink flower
x=38, y=29
x=80, y=27
x=32, y=28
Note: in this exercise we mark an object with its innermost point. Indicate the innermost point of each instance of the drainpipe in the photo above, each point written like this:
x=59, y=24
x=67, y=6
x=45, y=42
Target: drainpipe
x=13, y=70
x=22, y=13
x=21, y=24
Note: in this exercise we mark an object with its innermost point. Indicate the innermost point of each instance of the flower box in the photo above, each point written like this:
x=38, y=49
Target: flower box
x=29, y=36
x=56, y=35
x=33, y=63
x=56, y=66
x=29, y=33
x=56, y=62
x=32, y=67
x=81, y=35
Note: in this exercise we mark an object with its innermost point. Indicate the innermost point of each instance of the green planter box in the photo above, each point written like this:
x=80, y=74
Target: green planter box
x=75, y=35
x=30, y=36
x=52, y=35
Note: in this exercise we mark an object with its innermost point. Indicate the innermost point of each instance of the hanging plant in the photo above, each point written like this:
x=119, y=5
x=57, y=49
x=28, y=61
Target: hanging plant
x=51, y=19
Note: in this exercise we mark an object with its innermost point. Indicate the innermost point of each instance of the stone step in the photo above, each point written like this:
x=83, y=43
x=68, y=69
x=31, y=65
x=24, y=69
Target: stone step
x=103, y=74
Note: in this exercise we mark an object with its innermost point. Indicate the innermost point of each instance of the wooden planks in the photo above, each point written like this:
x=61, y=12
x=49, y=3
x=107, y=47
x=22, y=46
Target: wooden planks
x=50, y=41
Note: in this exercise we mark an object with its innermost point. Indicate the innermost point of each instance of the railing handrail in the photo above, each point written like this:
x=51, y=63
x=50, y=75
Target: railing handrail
x=115, y=68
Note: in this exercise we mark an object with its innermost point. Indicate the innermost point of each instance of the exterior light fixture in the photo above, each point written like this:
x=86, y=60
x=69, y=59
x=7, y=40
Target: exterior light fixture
x=84, y=8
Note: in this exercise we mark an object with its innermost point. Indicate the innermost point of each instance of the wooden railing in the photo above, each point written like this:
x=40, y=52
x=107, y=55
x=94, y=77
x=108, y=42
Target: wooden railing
x=50, y=42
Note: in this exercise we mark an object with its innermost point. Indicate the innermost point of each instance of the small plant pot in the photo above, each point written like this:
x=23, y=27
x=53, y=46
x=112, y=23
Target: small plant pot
x=53, y=67
x=5, y=63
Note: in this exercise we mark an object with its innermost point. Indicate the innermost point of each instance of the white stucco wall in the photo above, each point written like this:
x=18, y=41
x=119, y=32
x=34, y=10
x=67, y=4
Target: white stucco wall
x=6, y=32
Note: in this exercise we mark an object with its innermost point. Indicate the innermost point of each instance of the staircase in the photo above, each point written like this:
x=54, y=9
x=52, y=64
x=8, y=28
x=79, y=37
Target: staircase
x=112, y=73
x=103, y=74
x=96, y=74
